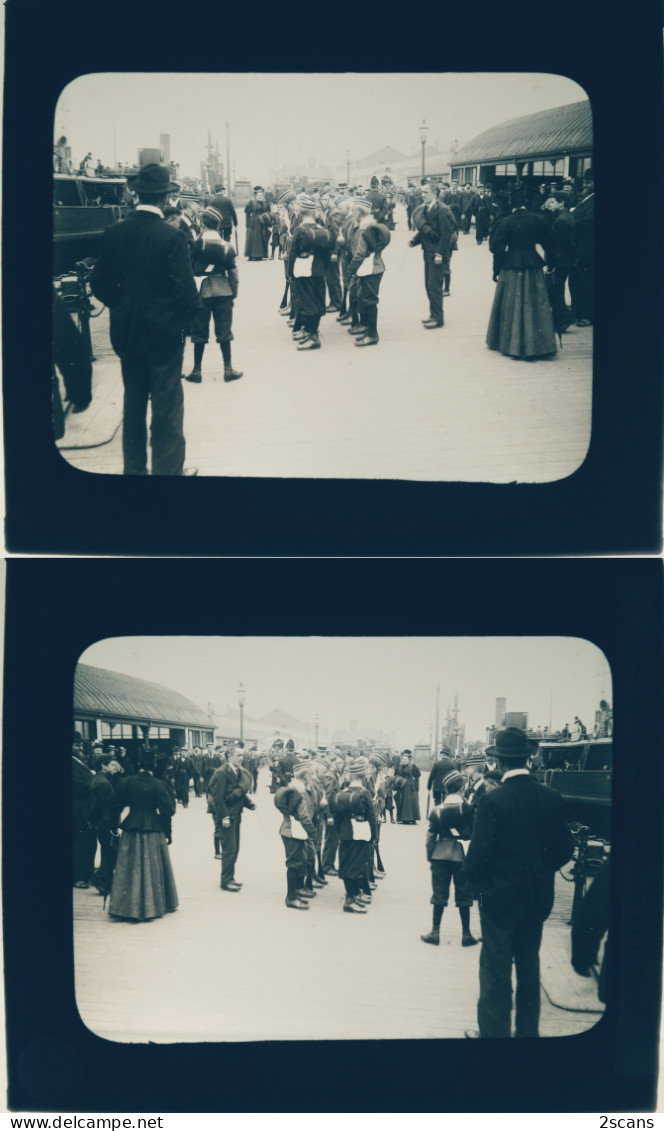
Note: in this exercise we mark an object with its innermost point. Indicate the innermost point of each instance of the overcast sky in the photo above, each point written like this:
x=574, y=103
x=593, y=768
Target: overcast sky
x=291, y=117
x=385, y=682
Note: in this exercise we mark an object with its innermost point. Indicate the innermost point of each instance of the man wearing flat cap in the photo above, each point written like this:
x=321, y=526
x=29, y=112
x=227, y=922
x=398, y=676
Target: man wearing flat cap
x=143, y=275
x=520, y=840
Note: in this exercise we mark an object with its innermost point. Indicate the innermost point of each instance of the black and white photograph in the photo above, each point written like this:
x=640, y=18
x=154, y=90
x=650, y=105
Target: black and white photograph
x=412, y=817
x=278, y=276
x=344, y=818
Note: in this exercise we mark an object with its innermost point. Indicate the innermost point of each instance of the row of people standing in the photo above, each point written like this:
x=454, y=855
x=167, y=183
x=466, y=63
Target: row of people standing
x=335, y=244
x=333, y=805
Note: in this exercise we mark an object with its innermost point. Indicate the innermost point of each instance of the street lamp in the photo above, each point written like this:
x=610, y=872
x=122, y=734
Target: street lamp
x=240, y=699
x=424, y=129
x=316, y=721
x=347, y=166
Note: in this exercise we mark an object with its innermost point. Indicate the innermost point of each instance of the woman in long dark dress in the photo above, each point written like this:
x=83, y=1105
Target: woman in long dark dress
x=258, y=223
x=408, y=801
x=521, y=322
x=143, y=882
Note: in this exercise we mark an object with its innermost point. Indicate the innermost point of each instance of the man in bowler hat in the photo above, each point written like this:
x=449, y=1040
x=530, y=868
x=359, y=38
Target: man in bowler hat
x=143, y=275
x=520, y=840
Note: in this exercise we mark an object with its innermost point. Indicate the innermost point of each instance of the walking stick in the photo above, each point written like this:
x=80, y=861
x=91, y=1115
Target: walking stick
x=237, y=252
x=284, y=301
x=428, y=800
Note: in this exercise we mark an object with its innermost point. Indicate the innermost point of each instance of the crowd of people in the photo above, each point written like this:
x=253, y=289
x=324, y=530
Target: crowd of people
x=494, y=834
x=169, y=270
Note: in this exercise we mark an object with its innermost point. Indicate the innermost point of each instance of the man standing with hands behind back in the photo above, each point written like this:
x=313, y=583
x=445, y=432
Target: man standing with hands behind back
x=520, y=840
x=143, y=275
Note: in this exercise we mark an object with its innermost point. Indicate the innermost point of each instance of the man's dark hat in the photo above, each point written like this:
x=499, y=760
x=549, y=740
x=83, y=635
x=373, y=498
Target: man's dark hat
x=153, y=180
x=512, y=743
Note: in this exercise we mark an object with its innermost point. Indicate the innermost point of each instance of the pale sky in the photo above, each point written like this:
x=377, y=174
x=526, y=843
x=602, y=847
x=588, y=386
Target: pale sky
x=291, y=117
x=387, y=682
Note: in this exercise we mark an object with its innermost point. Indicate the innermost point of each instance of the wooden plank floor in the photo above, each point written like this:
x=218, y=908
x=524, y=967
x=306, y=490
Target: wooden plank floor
x=222, y=966
x=422, y=405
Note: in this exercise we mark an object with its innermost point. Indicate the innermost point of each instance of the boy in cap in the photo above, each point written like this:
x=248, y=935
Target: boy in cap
x=520, y=839
x=450, y=823
x=308, y=259
x=291, y=801
x=214, y=259
x=355, y=819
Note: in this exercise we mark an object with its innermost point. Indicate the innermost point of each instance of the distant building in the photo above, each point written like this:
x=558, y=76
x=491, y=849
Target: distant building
x=125, y=711
x=537, y=147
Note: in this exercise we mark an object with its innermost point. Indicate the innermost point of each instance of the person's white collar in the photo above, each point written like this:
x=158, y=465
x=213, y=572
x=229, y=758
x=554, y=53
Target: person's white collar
x=514, y=773
x=149, y=208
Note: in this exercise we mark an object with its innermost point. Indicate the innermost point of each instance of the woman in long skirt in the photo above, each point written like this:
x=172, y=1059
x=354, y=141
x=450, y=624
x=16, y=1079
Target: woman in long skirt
x=143, y=882
x=408, y=800
x=521, y=322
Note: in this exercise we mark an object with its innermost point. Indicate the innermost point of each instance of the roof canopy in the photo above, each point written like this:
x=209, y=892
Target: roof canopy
x=111, y=694
x=565, y=129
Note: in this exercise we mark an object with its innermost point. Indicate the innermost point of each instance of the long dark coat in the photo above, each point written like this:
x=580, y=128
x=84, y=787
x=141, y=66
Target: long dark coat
x=408, y=801
x=143, y=275
x=520, y=839
x=258, y=221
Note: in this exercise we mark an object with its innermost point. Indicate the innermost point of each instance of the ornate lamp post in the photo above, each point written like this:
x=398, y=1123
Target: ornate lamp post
x=240, y=698
x=424, y=129
x=348, y=166
x=316, y=721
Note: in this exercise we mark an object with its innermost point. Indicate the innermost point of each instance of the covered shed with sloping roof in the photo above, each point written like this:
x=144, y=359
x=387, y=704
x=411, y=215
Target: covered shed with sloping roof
x=125, y=711
x=549, y=144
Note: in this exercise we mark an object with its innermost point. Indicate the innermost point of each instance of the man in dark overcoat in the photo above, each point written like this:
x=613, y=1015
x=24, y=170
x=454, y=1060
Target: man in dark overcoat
x=100, y=820
x=564, y=255
x=378, y=201
x=582, y=274
x=225, y=207
x=143, y=275
x=84, y=840
x=436, y=228
x=228, y=797
x=441, y=767
x=197, y=768
x=520, y=839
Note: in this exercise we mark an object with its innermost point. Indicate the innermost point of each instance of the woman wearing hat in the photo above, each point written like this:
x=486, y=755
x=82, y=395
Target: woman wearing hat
x=143, y=882
x=355, y=820
x=521, y=322
x=450, y=823
x=408, y=801
x=258, y=222
x=291, y=802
